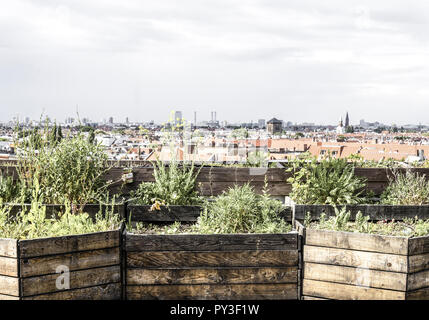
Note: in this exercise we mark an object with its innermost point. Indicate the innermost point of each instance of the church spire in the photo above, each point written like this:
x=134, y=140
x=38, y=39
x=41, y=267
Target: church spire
x=347, y=121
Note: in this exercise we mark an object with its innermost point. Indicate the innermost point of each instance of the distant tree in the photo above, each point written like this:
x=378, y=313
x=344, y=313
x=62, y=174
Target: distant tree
x=350, y=129
x=341, y=138
x=298, y=135
x=241, y=133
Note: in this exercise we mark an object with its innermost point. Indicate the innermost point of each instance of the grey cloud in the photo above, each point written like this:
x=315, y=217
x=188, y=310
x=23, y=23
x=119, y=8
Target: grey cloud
x=300, y=60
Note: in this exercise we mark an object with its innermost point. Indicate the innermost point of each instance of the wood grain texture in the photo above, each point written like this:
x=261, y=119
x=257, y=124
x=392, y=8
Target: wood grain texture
x=418, y=280
x=418, y=245
x=78, y=279
x=352, y=258
x=375, y=212
x=9, y=286
x=6, y=297
x=74, y=261
x=174, y=259
x=356, y=276
x=213, y=292
x=340, y=291
x=105, y=292
x=8, y=266
x=68, y=244
x=312, y=298
x=140, y=213
x=9, y=248
x=420, y=294
x=212, y=276
x=217, y=188
x=418, y=262
x=212, y=242
x=357, y=241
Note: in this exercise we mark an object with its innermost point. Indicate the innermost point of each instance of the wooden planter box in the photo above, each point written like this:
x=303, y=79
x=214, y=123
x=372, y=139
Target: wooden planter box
x=28, y=268
x=376, y=212
x=53, y=209
x=349, y=266
x=187, y=214
x=221, y=266
x=226, y=266
x=142, y=213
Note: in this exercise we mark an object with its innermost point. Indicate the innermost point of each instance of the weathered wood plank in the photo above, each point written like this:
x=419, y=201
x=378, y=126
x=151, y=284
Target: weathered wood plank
x=214, y=174
x=312, y=298
x=375, y=212
x=216, y=188
x=174, y=259
x=6, y=297
x=139, y=213
x=9, y=266
x=418, y=262
x=356, y=276
x=67, y=244
x=237, y=174
x=383, y=174
x=420, y=294
x=352, y=258
x=418, y=280
x=9, y=248
x=212, y=242
x=9, y=286
x=340, y=291
x=418, y=245
x=74, y=261
x=104, y=292
x=78, y=279
x=222, y=292
x=357, y=241
x=212, y=276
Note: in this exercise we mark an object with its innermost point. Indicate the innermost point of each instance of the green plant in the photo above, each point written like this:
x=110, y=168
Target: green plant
x=241, y=210
x=9, y=190
x=34, y=223
x=330, y=181
x=174, y=185
x=406, y=189
x=341, y=222
x=68, y=169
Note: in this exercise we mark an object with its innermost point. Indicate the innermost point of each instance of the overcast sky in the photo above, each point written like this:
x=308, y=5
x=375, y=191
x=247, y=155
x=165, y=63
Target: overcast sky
x=299, y=61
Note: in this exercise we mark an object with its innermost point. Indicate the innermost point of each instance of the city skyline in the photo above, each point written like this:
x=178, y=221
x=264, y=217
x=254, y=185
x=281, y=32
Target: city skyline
x=297, y=61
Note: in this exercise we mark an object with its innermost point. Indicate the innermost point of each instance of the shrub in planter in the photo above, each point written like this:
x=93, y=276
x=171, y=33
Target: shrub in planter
x=171, y=197
x=406, y=196
x=72, y=257
x=330, y=181
x=68, y=170
x=360, y=259
x=245, y=252
x=406, y=189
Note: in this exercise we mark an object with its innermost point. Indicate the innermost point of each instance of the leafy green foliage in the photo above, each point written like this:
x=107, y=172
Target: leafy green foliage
x=341, y=222
x=240, y=133
x=34, y=223
x=9, y=190
x=68, y=170
x=331, y=181
x=241, y=210
x=174, y=185
x=406, y=189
